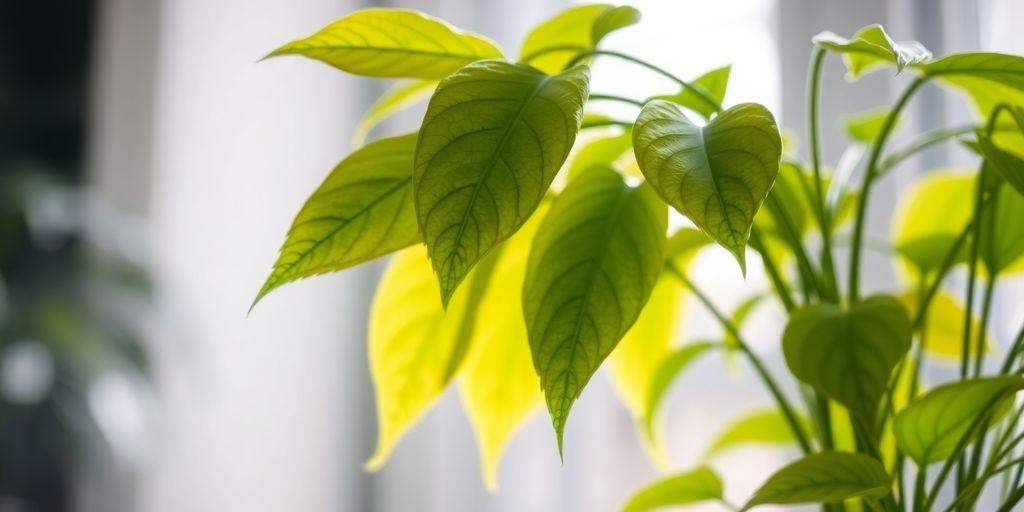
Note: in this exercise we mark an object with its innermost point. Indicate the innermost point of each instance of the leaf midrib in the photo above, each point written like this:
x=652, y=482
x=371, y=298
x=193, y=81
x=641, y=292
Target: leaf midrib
x=714, y=177
x=383, y=49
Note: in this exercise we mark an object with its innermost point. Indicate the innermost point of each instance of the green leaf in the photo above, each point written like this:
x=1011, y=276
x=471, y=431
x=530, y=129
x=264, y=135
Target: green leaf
x=717, y=175
x=1008, y=166
x=363, y=210
x=601, y=152
x=871, y=49
x=767, y=427
x=393, y=43
x=398, y=98
x=713, y=84
x=1002, y=237
x=848, y=356
x=944, y=324
x=499, y=388
x=701, y=484
x=1007, y=70
x=683, y=246
x=494, y=136
x=930, y=428
x=592, y=268
x=930, y=217
x=865, y=126
x=670, y=367
x=739, y=317
x=826, y=477
x=554, y=43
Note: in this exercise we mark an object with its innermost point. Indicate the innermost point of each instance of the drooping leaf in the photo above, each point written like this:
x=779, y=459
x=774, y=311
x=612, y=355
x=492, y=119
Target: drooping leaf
x=929, y=218
x=592, y=268
x=701, y=484
x=826, y=477
x=999, y=68
x=494, y=136
x=871, y=49
x=601, y=152
x=944, y=328
x=930, y=428
x=766, y=427
x=713, y=84
x=499, y=387
x=363, y=210
x=1008, y=166
x=1002, y=237
x=717, y=175
x=398, y=98
x=393, y=43
x=848, y=356
x=554, y=43
x=413, y=345
x=865, y=126
x=670, y=367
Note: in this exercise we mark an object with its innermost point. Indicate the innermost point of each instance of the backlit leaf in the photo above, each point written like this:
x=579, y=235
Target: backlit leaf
x=848, y=356
x=767, y=427
x=826, y=477
x=554, y=43
x=944, y=327
x=865, y=126
x=930, y=216
x=701, y=484
x=998, y=68
x=1008, y=166
x=601, y=152
x=930, y=428
x=499, y=387
x=1002, y=238
x=670, y=367
x=717, y=175
x=592, y=268
x=395, y=100
x=363, y=210
x=871, y=49
x=713, y=84
x=494, y=136
x=393, y=43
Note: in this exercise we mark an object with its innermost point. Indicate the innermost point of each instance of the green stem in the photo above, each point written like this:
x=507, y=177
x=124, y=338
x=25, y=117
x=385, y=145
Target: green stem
x=1014, y=351
x=972, y=276
x=824, y=216
x=778, y=283
x=608, y=122
x=795, y=243
x=620, y=99
x=869, y=177
x=986, y=311
x=924, y=142
x=755, y=361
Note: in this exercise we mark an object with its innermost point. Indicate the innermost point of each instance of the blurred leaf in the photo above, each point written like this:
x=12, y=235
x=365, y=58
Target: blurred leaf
x=395, y=100
x=827, y=477
x=727, y=167
x=739, y=317
x=551, y=45
x=701, y=484
x=713, y=84
x=601, y=152
x=930, y=217
x=683, y=246
x=494, y=136
x=930, y=428
x=670, y=367
x=865, y=126
x=393, y=43
x=499, y=387
x=1002, y=237
x=871, y=49
x=593, y=265
x=998, y=68
x=768, y=427
x=848, y=356
x=362, y=211
x=1005, y=164
x=944, y=330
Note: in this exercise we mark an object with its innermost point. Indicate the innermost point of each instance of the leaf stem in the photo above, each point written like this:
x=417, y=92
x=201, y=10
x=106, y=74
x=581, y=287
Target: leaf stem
x=759, y=367
x=607, y=122
x=781, y=289
x=613, y=97
x=824, y=216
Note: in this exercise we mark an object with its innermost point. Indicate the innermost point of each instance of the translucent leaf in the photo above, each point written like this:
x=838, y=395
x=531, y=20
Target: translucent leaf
x=713, y=84
x=944, y=330
x=670, y=367
x=871, y=49
x=395, y=100
x=363, y=210
x=995, y=68
x=930, y=428
x=1002, y=237
x=414, y=345
x=592, y=267
x=865, y=126
x=494, y=136
x=767, y=427
x=701, y=484
x=848, y=356
x=393, y=43
x=499, y=387
x=827, y=477
x=717, y=175
x=930, y=216
x=1008, y=166
x=551, y=45
x=603, y=151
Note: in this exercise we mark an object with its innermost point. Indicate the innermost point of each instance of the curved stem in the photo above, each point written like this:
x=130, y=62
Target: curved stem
x=1015, y=348
x=613, y=97
x=869, y=177
x=972, y=276
x=924, y=142
x=778, y=283
x=824, y=216
x=986, y=311
x=755, y=361
x=608, y=122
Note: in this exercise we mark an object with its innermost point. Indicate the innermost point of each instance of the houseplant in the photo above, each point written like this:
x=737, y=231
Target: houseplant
x=523, y=263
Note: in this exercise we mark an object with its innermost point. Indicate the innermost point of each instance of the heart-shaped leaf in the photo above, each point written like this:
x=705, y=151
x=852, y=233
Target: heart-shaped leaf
x=826, y=477
x=717, y=175
x=1000, y=68
x=395, y=43
x=551, y=45
x=398, y=98
x=713, y=84
x=701, y=484
x=871, y=48
x=363, y=210
x=592, y=268
x=848, y=355
x=930, y=428
x=494, y=136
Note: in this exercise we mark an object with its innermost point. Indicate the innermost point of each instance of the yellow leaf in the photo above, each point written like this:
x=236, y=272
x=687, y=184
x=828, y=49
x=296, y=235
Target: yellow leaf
x=944, y=330
x=499, y=387
x=932, y=214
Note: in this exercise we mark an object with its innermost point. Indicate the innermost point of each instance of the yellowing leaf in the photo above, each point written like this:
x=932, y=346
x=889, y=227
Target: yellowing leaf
x=944, y=330
x=499, y=387
x=768, y=427
x=396, y=99
x=395, y=43
x=554, y=43
x=929, y=218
